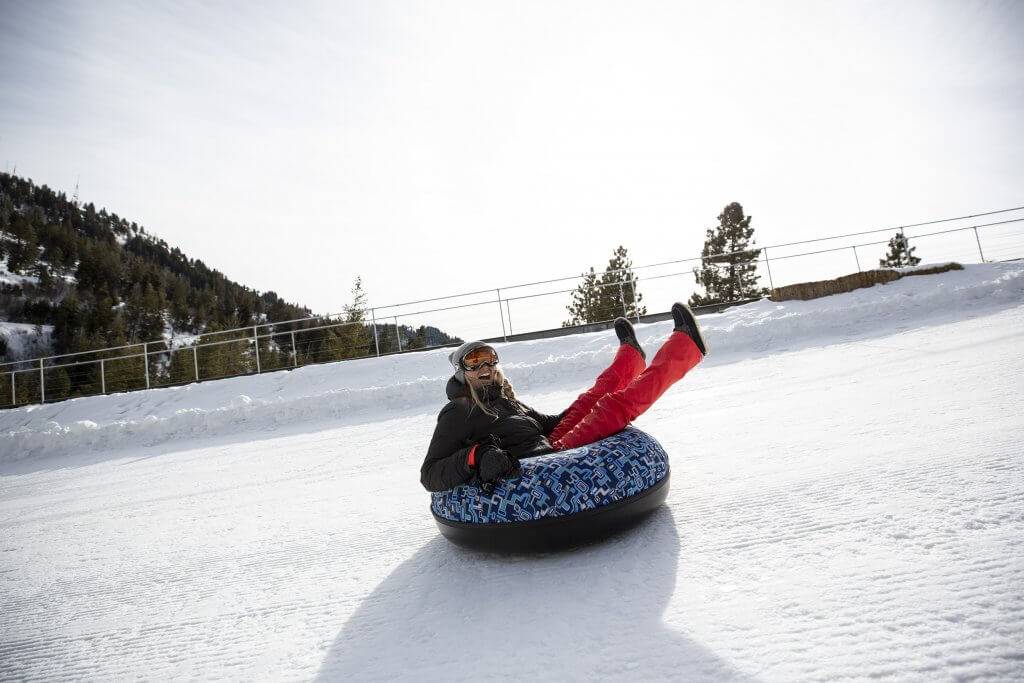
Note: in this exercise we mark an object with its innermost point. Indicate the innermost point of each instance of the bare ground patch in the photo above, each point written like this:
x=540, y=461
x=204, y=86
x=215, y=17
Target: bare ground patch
x=847, y=283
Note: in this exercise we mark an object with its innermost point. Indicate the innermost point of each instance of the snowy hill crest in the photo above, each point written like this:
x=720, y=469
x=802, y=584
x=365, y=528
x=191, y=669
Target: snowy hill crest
x=356, y=390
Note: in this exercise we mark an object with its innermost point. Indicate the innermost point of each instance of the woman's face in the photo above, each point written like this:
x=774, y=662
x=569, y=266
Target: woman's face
x=481, y=377
x=480, y=366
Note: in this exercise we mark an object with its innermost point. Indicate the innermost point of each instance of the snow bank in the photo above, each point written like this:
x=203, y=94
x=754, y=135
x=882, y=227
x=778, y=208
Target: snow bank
x=362, y=390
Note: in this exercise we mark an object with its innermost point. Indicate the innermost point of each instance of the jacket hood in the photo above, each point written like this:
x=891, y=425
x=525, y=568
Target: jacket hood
x=455, y=389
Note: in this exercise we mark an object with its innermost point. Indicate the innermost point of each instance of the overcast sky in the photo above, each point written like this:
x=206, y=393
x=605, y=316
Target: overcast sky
x=437, y=147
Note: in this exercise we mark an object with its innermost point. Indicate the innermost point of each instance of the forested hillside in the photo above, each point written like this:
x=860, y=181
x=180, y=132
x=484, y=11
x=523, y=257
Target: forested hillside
x=87, y=279
x=100, y=280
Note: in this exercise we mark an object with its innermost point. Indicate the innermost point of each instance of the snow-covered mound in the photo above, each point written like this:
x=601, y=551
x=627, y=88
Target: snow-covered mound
x=354, y=391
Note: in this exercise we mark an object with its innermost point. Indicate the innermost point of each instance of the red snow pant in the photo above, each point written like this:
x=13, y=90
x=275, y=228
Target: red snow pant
x=624, y=391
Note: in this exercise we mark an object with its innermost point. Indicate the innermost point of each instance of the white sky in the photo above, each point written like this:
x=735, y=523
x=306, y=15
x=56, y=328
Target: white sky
x=448, y=146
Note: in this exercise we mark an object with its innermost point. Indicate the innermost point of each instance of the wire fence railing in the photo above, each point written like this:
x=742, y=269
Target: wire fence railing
x=410, y=326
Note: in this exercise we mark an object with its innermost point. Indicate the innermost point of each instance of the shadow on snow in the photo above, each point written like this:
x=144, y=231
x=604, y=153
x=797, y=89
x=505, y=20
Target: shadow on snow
x=590, y=613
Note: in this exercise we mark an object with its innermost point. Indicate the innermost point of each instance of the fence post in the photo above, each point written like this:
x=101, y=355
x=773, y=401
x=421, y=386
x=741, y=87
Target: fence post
x=857, y=259
x=622, y=298
x=295, y=352
x=103, y=376
x=145, y=361
x=256, y=343
x=398, y=336
x=508, y=311
x=373, y=319
x=980, y=252
x=504, y=334
x=42, y=383
x=769, y=267
x=195, y=359
x=14, y=390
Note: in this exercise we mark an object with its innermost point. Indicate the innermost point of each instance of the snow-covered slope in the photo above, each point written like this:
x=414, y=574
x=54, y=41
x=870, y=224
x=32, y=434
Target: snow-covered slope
x=845, y=504
x=356, y=391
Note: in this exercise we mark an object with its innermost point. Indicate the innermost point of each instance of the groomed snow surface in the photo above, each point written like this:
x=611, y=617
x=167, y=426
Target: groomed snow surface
x=847, y=502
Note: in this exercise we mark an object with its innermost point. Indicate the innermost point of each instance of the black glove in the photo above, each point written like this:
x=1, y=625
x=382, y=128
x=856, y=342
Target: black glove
x=495, y=464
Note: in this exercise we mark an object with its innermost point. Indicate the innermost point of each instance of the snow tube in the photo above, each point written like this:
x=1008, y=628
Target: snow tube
x=560, y=500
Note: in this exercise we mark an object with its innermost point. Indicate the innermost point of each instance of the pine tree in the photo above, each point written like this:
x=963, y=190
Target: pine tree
x=585, y=299
x=67, y=324
x=612, y=295
x=354, y=335
x=182, y=366
x=900, y=253
x=145, y=313
x=58, y=384
x=728, y=265
x=25, y=251
x=619, y=295
x=355, y=311
x=419, y=339
x=179, y=308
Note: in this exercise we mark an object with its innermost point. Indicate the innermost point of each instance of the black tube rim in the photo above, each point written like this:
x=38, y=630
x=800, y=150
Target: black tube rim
x=554, y=533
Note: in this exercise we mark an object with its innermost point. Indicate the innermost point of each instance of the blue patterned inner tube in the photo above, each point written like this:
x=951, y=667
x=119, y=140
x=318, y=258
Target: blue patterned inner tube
x=577, y=483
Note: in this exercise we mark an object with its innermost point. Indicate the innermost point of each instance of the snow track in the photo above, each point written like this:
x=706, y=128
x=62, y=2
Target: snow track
x=848, y=509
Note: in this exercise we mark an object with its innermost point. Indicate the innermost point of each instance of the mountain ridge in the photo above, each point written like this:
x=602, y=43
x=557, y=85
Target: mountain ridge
x=92, y=279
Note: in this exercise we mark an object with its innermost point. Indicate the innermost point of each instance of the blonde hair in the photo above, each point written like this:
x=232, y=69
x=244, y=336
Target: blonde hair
x=506, y=391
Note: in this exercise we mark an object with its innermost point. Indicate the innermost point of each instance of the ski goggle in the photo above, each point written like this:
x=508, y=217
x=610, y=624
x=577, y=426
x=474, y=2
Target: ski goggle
x=478, y=358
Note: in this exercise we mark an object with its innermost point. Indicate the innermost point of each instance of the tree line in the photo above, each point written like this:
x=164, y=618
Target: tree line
x=728, y=273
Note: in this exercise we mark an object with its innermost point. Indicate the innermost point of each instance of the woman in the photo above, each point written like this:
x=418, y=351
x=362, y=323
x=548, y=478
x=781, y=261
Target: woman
x=484, y=430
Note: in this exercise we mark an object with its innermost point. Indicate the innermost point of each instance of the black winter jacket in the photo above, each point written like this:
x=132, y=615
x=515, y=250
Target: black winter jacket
x=518, y=429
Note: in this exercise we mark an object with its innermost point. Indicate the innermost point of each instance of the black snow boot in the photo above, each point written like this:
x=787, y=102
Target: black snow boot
x=624, y=331
x=686, y=322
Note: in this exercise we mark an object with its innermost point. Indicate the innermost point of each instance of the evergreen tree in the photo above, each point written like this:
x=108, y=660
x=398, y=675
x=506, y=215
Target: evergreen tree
x=58, y=384
x=900, y=253
x=117, y=333
x=226, y=358
x=728, y=265
x=419, y=339
x=182, y=369
x=354, y=335
x=612, y=295
x=619, y=295
x=585, y=301
x=23, y=251
x=42, y=271
x=145, y=313
x=355, y=311
x=67, y=325
x=179, y=308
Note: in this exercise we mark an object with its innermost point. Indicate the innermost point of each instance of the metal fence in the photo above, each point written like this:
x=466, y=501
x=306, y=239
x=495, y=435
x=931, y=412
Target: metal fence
x=282, y=345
